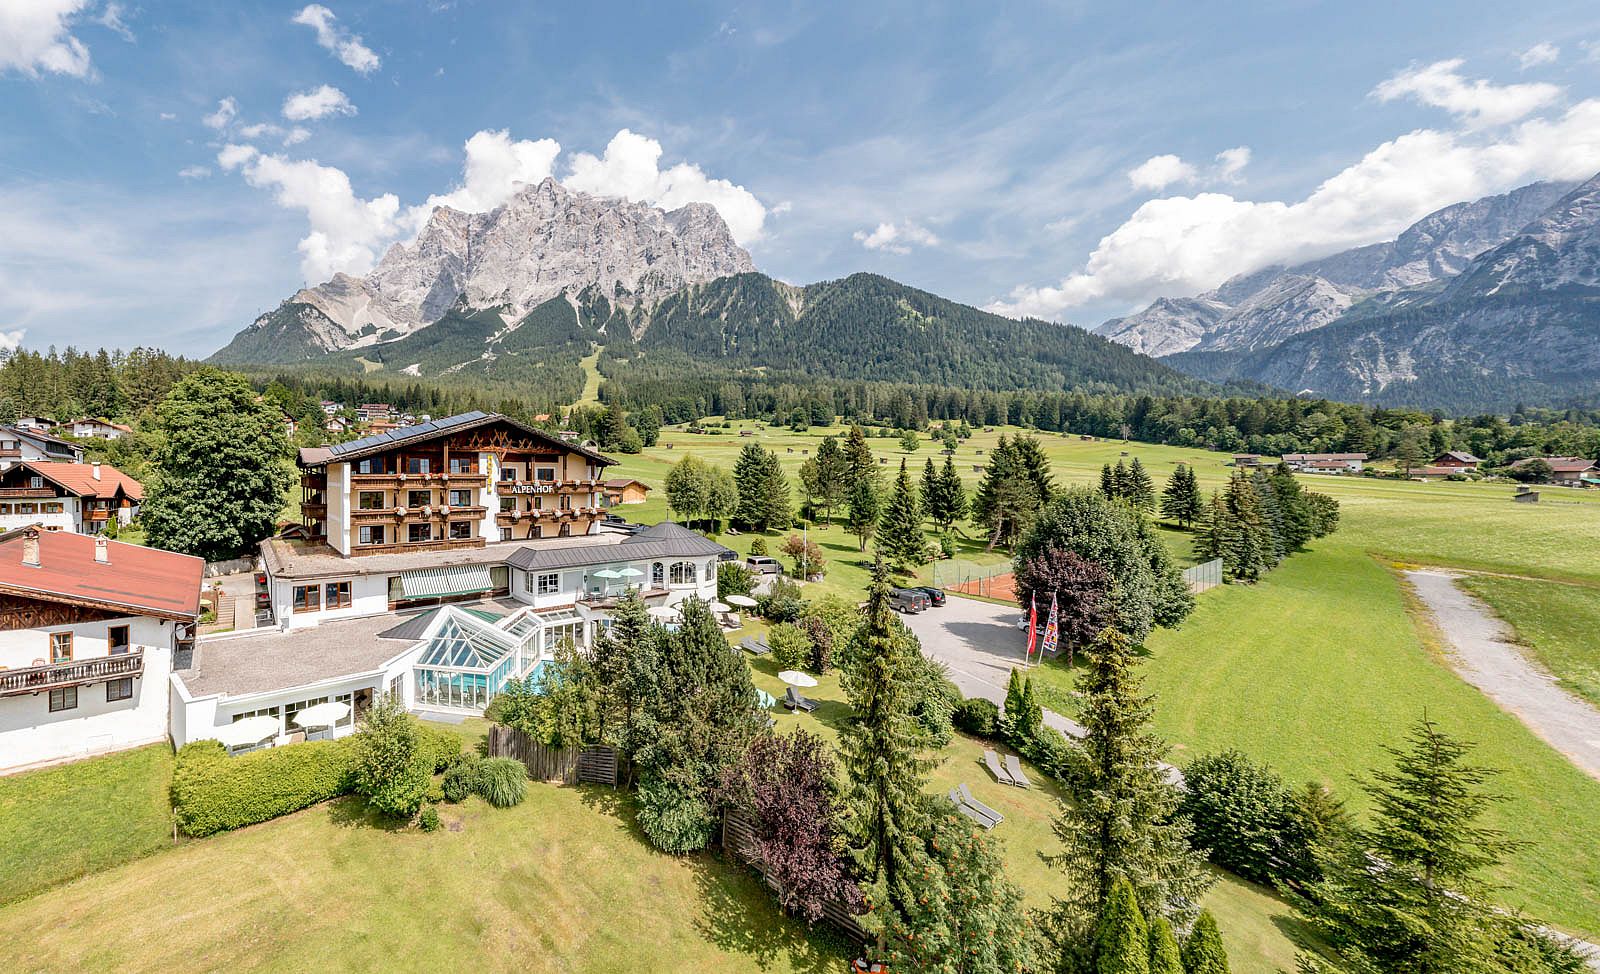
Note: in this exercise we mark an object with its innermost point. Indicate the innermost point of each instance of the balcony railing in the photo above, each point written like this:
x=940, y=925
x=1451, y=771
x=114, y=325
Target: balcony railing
x=514, y=488
x=48, y=492
x=396, y=481
x=36, y=679
x=442, y=544
x=509, y=518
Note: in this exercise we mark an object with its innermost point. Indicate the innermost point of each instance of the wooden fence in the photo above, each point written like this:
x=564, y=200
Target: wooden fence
x=596, y=764
x=739, y=839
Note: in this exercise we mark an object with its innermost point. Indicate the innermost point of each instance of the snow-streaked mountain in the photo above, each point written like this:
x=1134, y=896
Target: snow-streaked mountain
x=544, y=242
x=1268, y=306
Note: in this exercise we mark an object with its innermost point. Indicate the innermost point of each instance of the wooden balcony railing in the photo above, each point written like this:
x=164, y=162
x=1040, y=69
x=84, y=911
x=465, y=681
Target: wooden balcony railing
x=442, y=544
x=35, y=679
x=314, y=481
x=514, y=488
x=397, y=481
x=46, y=492
x=97, y=515
x=507, y=519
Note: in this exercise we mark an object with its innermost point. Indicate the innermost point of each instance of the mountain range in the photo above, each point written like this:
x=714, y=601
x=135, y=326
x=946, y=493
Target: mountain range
x=1478, y=305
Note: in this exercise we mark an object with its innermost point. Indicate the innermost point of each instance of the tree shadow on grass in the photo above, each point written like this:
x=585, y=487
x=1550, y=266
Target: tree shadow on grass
x=739, y=915
x=352, y=811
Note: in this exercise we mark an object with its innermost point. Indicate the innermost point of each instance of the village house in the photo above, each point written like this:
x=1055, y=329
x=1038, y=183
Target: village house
x=369, y=411
x=335, y=426
x=78, y=497
x=19, y=443
x=1568, y=471
x=88, y=632
x=96, y=427
x=1325, y=462
x=624, y=490
x=1456, y=461
x=1247, y=460
x=36, y=424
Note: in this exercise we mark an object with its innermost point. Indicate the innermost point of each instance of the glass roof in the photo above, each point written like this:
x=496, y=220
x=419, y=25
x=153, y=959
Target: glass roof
x=460, y=643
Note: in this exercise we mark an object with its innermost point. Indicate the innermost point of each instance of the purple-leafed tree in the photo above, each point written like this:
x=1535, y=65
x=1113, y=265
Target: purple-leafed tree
x=1082, y=590
x=786, y=781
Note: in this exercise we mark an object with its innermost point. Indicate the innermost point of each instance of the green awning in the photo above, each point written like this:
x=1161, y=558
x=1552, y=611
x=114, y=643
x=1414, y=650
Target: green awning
x=434, y=583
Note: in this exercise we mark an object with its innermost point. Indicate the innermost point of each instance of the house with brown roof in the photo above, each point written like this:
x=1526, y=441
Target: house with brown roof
x=624, y=490
x=88, y=632
x=96, y=427
x=77, y=497
x=1568, y=471
x=1456, y=461
x=26, y=443
x=1325, y=462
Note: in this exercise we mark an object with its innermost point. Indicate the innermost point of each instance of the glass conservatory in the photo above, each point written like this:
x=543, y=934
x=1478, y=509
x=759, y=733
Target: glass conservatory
x=466, y=660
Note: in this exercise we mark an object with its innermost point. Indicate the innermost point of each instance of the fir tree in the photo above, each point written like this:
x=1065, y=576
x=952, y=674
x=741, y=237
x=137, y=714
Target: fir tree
x=952, y=495
x=931, y=488
x=865, y=510
x=764, y=497
x=886, y=770
x=1181, y=500
x=1007, y=499
x=1121, y=939
x=1120, y=823
x=827, y=479
x=859, y=464
x=1141, y=492
x=1121, y=486
x=1247, y=554
x=1165, y=957
x=1202, y=950
x=1108, y=482
x=1212, y=542
x=1295, y=521
x=1033, y=466
x=900, y=529
x=1271, y=515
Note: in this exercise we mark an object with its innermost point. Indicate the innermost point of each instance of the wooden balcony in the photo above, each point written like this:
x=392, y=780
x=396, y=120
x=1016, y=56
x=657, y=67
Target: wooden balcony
x=508, y=519
x=37, y=679
x=313, y=510
x=97, y=514
x=314, y=481
x=401, y=481
x=517, y=488
x=47, y=493
x=442, y=544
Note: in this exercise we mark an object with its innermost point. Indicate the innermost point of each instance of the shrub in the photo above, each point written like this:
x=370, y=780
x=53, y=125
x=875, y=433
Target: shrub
x=977, y=716
x=782, y=603
x=790, y=647
x=435, y=793
x=673, y=815
x=437, y=747
x=461, y=778
x=937, y=700
x=758, y=545
x=821, y=638
x=733, y=579
x=391, y=766
x=428, y=821
x=502, y=781
x=1241, y=813
x=212, y=792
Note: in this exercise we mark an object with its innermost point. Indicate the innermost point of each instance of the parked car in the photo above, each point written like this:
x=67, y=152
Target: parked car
x=763, y=565
x=908, y=600
x=935, y=595
x=727, y=554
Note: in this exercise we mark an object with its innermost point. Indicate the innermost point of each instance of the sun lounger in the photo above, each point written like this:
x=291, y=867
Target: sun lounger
x=794, y=701
x=1015, y=767
x=992, y=762
x=751, y=644
x=977, y=806
x=964, y=809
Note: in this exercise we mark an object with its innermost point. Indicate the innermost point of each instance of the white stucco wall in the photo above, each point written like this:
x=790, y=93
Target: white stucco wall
x=369, y=596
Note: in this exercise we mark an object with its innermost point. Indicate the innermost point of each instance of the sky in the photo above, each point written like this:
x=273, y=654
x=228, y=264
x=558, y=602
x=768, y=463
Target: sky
x=170, y=170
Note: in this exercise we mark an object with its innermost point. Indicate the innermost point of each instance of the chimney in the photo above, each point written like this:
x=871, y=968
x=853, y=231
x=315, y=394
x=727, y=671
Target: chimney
x=94, y=470
x=30, y=547
x=102, y=550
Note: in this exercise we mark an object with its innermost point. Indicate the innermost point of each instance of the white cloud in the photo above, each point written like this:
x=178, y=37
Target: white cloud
x=1159, y=172
x=35, y=36
x=194, y=172
x=227, y=111
x=896, y=238
x=296, y=135
x=321, y=102
x=347, y=231
x=630, y=169
x=257, y=130
x=1478, y=103
x=1231, y=163
x=496, y=166
x=347, y=47
x=11, y=340
x=111, y=19
x=169, y=117
x=1183, y=245
x=1542, y=53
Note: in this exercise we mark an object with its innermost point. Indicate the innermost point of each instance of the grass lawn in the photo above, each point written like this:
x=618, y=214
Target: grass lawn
x=57, y=824
x=1559, y=625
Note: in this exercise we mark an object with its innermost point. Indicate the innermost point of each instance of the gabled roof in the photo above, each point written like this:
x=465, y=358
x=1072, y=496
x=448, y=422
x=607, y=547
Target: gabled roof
x=1458, y=456
x=135, y=581
x=625, y=481
x=1303, y=457
x=1562, y=464
x=78, y=479
x=43, y=440
x=422, y=432
x=102, y=421
x=664, y=540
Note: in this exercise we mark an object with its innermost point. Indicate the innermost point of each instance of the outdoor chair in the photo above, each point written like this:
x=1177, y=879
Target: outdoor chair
x=992, y=762
x=977, y=806
x=955, y=798
x=794, y=701
x=751, y=644
x=1017, y=777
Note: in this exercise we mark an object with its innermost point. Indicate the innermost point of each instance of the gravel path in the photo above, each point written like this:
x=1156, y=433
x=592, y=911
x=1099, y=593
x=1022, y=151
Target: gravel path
x=1484, y=655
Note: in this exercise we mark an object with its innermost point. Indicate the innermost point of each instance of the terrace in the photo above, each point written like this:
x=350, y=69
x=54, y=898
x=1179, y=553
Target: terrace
x=51, y=676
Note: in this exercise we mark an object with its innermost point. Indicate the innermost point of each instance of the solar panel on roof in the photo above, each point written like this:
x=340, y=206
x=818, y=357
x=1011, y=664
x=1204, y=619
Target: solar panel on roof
x=408, y=432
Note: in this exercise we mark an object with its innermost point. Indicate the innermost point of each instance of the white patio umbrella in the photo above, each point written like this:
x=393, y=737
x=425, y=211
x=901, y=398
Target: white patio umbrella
x=719, y=607
x=607, y=573
x=629, y=573
x=797, y=679
x=742, y=601
x=663, y=613
x=323, y=714
x=250, y=730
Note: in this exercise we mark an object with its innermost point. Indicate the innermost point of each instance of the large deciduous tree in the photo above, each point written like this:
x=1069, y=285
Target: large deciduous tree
x=222, y=468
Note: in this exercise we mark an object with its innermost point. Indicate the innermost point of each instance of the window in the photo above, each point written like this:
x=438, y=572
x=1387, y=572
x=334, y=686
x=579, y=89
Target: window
x=370, y=534
x=463, y=464
x=416, y=533
x=711, y=570
x=546, y=474
x=63, y=698
x=461, y=498
x=550, y=584
x=370, y=500
x=508, y=505
x=508, y=473
x=505, y=534
x=117, y=640
x=307, y=598
x=336, y=595
x=538, y=503
x=682, y=573
x=119, y=690
x=565, y=532
x=36, y=482
x=658, y=574
x=537, y=531
x=418, y=498
x=371, y=465
x=419, y=465
x=61, y=647
x=460, y=530
x=52, y=508
x=566, y=502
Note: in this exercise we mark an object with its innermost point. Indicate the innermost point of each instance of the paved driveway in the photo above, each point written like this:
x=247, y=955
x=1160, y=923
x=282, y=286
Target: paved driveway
x=981, y=644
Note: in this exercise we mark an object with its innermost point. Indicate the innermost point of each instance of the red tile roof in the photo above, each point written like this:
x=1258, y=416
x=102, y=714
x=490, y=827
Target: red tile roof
x=79, y=479
x=143, y=581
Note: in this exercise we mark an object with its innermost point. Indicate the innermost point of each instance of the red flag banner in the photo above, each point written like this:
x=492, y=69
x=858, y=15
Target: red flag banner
x=1052, y=631
x=1033, y=628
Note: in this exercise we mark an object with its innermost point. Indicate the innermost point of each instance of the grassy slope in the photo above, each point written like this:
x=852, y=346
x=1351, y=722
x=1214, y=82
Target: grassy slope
x=60, y=823
x=1559, y=625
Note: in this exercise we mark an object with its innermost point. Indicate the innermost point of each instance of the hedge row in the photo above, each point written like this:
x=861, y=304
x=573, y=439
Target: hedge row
x=212, y=792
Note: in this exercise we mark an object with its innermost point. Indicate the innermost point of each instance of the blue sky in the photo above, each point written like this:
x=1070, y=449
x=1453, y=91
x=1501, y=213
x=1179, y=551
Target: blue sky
x=170, y=170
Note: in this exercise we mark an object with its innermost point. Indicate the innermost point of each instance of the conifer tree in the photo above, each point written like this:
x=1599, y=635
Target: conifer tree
x=1108, y=482
x=900, y=529
x=952, y=495
x=1121, y=939
x=1247, y=554
x=1202, y=950
x=1141, y=492
x=1007, y=499
x=1121, y=822
x=859, y=464
x=1121, y=486
x=882, y=756
x=1271, y=515
x=1033, y=466
x=1165, y=957
x=1294, y=513
x=865, y=510
x=1212, y=542
x=1181, y=500
x=931, y=488
x=827, y=478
